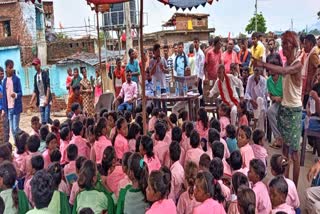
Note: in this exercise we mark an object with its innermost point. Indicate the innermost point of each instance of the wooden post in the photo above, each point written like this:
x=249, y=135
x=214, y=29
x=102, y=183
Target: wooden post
x=144, y=101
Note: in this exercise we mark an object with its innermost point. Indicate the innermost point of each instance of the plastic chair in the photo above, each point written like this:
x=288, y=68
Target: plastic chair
x=105, y=102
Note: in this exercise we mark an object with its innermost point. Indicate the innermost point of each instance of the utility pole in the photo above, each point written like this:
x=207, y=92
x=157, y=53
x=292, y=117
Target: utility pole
x=256, y=14
x=291, y=24
x=128, y=25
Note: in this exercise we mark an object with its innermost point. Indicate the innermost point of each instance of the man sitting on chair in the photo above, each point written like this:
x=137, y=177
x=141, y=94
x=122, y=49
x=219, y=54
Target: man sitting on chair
x=129, y=93
x=226, y=86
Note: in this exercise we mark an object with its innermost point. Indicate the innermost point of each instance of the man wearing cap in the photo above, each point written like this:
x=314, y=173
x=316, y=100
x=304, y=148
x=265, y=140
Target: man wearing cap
x=41, y=91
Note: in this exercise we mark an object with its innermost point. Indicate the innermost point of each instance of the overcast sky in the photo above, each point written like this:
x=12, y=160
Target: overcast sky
x=225, y=15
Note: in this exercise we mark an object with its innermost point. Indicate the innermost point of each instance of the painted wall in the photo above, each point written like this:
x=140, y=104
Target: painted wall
x=29, y=15
x=58, y=74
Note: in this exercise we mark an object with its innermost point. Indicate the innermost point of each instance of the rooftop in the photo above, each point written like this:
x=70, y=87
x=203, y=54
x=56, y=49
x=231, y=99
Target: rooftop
x=172, y=21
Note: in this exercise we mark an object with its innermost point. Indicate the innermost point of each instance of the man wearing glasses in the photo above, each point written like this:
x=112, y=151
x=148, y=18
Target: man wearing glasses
x=41, y=91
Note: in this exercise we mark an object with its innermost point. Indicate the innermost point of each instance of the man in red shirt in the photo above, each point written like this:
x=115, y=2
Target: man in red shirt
x=119, y=77
x=230, y=56
x=213, y=59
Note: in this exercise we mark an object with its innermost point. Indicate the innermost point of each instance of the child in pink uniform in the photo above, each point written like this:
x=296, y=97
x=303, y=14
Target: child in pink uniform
x=257, y=172
x=157, y=192
x=59, y=184
x=70, y=171
x=224, y=118
x=177, y=171
x=187, y=128
x=258, y=138
x=33, y=144
x=278, y=190
x=244, y=135
x=216, y=169
x=246, y=201
x=114, y=173
x=51, y=142
x=214, y=135
x=75, y=187
x=238, y=179
x=20, y=155
x=278, y=165
x=204, y=162
x=242, y=114
x=101, y=143
x=217, y=152
x=195, y=153
x=236, y=163
x=35, y=125
x=187, y=201
x=176, y=135
x=133, y=135
x=79, y=141
x=153, y=119
x=202, y=124
x=112, y=118
x=124, y=181
x=161, y=149
x=64, y=142
x=207, y=193
x=146, y=150
x=37, y=164
x=120, y=142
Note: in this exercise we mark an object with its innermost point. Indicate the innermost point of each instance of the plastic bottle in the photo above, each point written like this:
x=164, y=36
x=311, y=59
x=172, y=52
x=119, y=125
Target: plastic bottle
x=177, y=89
x=185, y=88
x=312, y=105
x=158, y=89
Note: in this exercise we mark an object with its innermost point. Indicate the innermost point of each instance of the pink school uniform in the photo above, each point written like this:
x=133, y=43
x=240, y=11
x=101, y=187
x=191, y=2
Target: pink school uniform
x=177, y=179
x=114, y=178
x=225, y=190
x=20, y=161
x=247, y=155
x=283, y=208
x=33, y=132
x=292, y=197
x=27, y=190
x=122, y=184
x=121, y=146
x=166, y=139
x=182, y=156
x=260, y=153
x=194, y=155
x=161, y=150
x=163, y=206
x=233, y=206
x=209, y=206
x=201, y=130
x=185, y=143
x=152, y=163
x=28, y=163
x=243, y=121
x=70, y=169
x=46, y=158
x=63, y=187
x=63, y=149
x=242, y=170
x=151, y=123
x=132, y=145
x=81, y=143
x=186, y=204
x=263, y=202
x=99, y=146
x=226, y=150
x=224, y=121
x=74, y=191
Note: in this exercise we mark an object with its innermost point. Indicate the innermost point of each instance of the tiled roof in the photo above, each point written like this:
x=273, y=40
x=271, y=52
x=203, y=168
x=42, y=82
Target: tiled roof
x=8, y=1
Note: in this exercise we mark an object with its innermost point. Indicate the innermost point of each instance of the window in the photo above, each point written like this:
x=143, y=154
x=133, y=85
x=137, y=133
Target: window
x=6, y=29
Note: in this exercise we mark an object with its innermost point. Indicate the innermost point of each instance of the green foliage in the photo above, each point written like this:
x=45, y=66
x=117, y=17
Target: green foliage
x=315, y=32
x=61, y=35
x=261, y=25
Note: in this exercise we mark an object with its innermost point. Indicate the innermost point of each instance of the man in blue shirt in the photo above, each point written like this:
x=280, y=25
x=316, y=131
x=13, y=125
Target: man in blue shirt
x=133, y=66
x=181, y=61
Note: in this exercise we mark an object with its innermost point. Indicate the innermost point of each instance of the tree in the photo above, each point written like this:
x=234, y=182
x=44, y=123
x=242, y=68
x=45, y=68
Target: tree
x=261, y=25
x=315, y=32
x=318, y=15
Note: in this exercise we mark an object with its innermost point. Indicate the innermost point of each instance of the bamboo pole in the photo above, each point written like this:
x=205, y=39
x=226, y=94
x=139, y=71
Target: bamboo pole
x=144, y=101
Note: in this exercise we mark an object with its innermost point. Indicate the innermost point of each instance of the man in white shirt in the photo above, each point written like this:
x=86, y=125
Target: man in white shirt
x=256, y=94
x=129, y=93
x=199, y=66
x=226, y=86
